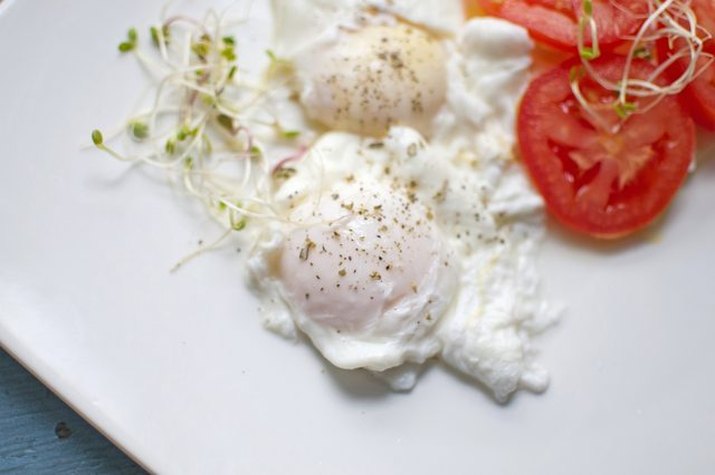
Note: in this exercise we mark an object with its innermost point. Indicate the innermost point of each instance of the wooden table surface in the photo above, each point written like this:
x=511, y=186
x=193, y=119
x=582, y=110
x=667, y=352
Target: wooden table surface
x=41, y=434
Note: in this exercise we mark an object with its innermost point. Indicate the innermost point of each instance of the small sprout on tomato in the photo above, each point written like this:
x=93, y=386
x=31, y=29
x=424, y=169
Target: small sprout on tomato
x=643, y=53
x=588, y=7
x=625, y=109
x=673, y=23
x=588, y=53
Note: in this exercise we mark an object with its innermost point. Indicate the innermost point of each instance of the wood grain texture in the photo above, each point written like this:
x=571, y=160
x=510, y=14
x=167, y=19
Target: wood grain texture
x=41, y=434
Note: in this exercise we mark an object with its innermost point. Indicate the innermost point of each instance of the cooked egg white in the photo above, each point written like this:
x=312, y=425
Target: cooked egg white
x=395, y=254
x=407, y=231
x=364, y=69
x=297, y=24
x=362, y=267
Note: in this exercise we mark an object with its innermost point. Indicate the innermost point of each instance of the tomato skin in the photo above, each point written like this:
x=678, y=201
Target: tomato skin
x=705, y=12
x=554, y=22
x=599, y=184
x=699, y=96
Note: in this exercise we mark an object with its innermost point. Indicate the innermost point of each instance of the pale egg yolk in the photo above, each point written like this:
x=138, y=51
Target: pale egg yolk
x=370, y=252
x=375, y=77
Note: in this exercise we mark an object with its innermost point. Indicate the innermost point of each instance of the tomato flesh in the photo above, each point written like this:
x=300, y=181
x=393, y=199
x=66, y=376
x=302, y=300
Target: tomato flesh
x=555, y=22
x=601, y=183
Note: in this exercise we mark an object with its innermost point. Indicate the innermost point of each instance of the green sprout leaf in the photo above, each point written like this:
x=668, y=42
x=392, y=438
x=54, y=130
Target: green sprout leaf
x=625, y=109
x=290, y=134
x=170, y=147
x=139, y=130
x=185, y=132
x=229, y=53
x=130, y=43
x=208, y=99
x=256, y=152
x=201, y=49
x=125, y=47
x=284, y=173
x=588, y=7
x=589, y=53
x=97, y=138
x=154, y=32
x=226, y=122
x=239, y=225
x=642, y=53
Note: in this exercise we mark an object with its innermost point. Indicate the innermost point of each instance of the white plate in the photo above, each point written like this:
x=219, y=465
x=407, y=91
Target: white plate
x=177, y=370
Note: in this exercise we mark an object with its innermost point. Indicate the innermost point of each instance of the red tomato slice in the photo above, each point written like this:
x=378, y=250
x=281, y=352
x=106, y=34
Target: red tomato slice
x=554, y=22
x=705, y=12
x=699, y=97
x=599, y=183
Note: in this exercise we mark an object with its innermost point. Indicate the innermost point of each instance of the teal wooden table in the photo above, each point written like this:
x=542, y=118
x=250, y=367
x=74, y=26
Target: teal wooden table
x=41, y=434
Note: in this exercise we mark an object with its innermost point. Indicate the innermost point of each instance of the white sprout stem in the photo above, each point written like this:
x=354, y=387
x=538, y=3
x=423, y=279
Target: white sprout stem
x=673, y=20
x=192, y=71
x=636, y=44
x=201, y=250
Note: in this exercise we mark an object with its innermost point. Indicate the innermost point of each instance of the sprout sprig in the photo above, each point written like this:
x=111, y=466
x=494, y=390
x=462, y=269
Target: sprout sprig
x=672, y=21
x=199, y=127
